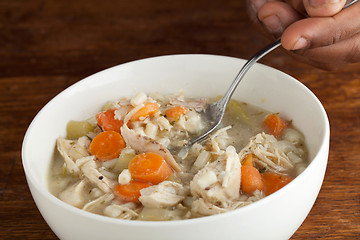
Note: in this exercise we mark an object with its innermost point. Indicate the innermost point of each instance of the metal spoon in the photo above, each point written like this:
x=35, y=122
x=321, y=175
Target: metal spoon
x=214, y=112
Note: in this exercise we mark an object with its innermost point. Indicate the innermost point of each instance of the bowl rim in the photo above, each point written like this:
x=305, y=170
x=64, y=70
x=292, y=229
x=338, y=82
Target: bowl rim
x=50, y=197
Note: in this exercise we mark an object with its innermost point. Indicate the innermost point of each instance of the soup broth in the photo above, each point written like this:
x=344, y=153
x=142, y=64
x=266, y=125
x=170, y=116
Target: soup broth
x=121, y=162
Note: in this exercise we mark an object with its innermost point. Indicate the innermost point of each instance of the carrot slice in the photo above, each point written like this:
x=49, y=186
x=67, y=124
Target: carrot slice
x=107, y=145
x=108, y=122
x=130, y=192
x=251, y=179
x=274, y=124
x=149, y=167
x=174, y=113
x=248, y=161
x=147, y=110
x=274, y=182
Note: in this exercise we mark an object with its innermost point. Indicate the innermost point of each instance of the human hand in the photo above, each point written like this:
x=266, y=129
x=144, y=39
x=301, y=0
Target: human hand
x=316, y=31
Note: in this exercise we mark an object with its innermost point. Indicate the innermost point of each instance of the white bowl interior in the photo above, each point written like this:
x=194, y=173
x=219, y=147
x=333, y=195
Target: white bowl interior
x=197, y=75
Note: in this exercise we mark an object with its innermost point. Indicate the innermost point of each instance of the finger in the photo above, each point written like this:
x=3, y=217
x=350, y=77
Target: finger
x=323, y=8
x=298, y=5
x=257, y=4
x=276, y=16
x=334, y=56
x=322, y=31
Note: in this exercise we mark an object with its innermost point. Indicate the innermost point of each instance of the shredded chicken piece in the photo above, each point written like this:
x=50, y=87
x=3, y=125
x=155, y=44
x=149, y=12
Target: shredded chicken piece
x=132, y=112
x=267, y=153
x=227, y=185
x=165, y=194
x=63, y=147
x=246, y=200
x=200, y=206
x=88, y=167
x=205, y=208
x=163, y=123
x=123, y=211
x=121, y=112
x=103, y=200
x=74, y=194
x=219, y=140
x=146, y=144
x=198, y=104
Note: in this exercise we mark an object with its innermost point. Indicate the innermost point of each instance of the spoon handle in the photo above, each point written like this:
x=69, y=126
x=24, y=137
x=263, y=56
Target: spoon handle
x=225, y=99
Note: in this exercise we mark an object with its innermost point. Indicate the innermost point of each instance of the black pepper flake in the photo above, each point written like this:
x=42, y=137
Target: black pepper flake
x=207, y=188
x=101, y=177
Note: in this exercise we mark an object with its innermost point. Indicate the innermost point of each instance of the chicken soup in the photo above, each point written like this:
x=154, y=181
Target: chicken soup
x=124, y=161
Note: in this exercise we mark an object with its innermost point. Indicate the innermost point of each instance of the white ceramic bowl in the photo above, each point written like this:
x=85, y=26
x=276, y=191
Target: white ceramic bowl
x=277, y=216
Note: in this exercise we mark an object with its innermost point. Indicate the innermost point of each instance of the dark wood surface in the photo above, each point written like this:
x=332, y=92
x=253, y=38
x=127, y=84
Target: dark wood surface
x=45, y=46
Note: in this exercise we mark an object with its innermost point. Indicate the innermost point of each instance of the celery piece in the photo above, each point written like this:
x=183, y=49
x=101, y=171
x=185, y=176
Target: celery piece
x=235, y=109
x=123, y=161
x=76, y=129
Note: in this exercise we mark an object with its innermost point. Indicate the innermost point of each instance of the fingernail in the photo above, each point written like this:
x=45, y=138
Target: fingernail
x=273, y=24
x=301, y=44
x=317, y=3
x=257, y=4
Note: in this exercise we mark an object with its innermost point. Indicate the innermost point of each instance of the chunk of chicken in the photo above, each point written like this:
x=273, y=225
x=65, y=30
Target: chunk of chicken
x=121, y=112
x=71, y=150
x=206, y=208
x=74, y=194
x=63, y=147
x=219, y=181
x=218, y=141
x=88, y=167
x=123, y=211
x=268, y=152
x=165, y=194
x=146, y=144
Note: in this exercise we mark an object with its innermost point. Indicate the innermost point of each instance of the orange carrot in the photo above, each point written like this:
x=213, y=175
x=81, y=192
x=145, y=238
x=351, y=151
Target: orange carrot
x=147, y=110
x=248, y=161
x=251, y=179
x=130, y=192
x=174, y=113
x=149, y=167
x=274, y=124
x=107, y=145
x=274, y=181
x=108, y=122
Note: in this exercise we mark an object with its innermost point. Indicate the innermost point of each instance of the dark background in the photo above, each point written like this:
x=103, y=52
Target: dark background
x=45, y=46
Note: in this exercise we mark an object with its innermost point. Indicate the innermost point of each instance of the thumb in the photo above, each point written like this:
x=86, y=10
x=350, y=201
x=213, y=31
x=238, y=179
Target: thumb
x=323, y=8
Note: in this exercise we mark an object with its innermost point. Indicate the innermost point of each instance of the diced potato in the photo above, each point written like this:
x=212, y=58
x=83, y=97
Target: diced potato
x=123, y=161
x=76, y=129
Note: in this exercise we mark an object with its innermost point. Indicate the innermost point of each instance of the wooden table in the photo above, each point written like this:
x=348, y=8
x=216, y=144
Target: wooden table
x=48, y=45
